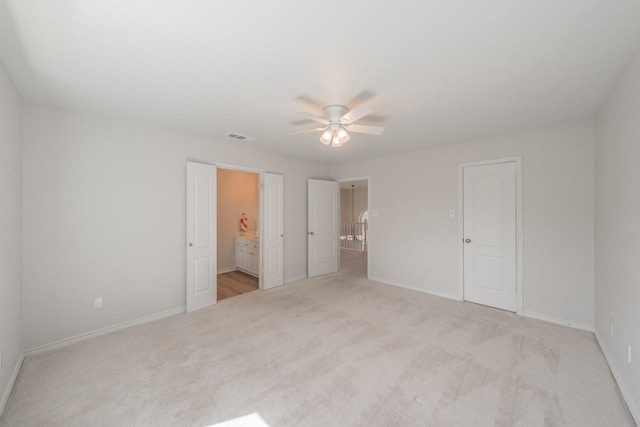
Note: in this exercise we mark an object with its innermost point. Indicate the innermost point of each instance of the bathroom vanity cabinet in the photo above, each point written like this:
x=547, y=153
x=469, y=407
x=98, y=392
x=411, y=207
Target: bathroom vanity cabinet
x=248, y=255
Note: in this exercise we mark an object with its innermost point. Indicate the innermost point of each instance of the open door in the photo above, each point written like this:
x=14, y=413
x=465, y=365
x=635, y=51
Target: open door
x=273, y=233
x=201, y=236
x=323, y=227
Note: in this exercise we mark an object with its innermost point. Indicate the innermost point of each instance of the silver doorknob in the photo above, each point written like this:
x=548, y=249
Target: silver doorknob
x=311, y=233
x=190, y=244
x=467, y=240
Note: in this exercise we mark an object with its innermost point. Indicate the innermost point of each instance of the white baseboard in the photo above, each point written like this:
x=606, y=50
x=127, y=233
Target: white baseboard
x=294, y=279
x=12, y=381
x=425, y=291
x=635, y=413
x=226, y=270
x=575, y=325
x=103, y=331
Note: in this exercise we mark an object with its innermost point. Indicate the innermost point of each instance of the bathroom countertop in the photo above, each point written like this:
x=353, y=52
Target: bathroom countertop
x=253, y=237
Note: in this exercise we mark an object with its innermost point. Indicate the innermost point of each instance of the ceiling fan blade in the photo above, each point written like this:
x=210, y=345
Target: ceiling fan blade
x=356, y=114
x=309, y=131
x=360, y=98
x=310, y=102
x=371, y=130
x=313, y=117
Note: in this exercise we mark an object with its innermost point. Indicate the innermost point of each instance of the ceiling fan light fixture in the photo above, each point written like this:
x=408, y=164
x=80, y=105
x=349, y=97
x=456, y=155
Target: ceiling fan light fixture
x=326, y=137
x=339, y=122
x=343, y=135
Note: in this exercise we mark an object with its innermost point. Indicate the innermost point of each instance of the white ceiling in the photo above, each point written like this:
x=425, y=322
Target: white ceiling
x=435, y=71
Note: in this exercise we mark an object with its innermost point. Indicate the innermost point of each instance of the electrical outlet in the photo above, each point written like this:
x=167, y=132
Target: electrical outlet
x=629, y=354
x=97, y=303
x=452, y=213
x=427, y=271
x=612, y=326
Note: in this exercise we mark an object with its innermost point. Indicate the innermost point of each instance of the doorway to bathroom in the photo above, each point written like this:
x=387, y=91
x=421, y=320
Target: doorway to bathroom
x=238, y=243
x=267, y=239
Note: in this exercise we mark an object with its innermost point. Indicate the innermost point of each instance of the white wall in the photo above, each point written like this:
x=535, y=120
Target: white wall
x=10, y=231
x=238, y=193
x=617, y=286
x=104, y=215
x=414, y=192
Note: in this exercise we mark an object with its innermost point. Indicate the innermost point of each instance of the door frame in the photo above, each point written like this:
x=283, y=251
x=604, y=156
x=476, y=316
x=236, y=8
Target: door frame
x=519, y=226
x=363, y=178
x=260, y=172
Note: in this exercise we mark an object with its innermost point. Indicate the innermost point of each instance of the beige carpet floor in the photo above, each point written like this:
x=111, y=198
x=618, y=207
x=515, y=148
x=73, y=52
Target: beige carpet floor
x=338, y=350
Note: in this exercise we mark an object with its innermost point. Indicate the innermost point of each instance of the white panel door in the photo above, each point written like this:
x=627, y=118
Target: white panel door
x=201, y=236
x=273, y=235
x=323, y=227
x=489, y=230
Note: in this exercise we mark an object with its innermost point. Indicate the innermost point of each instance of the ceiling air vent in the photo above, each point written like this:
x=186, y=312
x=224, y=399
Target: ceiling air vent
x=238, y=137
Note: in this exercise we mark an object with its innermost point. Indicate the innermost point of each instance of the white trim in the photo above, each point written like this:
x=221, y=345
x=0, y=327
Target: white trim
x=261, y=212
x=227, y=270
x=238, y=167
x=354, y=178
x=574, y=325
x=563, y=322
x=405, y=286
x=103, y=331
x=12, y=381
x=633, y=409
x=368, y=226
x=295, y=279
x=460, y=234
x=519, y=227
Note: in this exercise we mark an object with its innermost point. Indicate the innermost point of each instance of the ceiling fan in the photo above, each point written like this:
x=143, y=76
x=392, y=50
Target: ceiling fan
x=338, y=121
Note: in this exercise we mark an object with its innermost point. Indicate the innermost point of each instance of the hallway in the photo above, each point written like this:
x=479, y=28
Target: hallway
x=353, y=263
